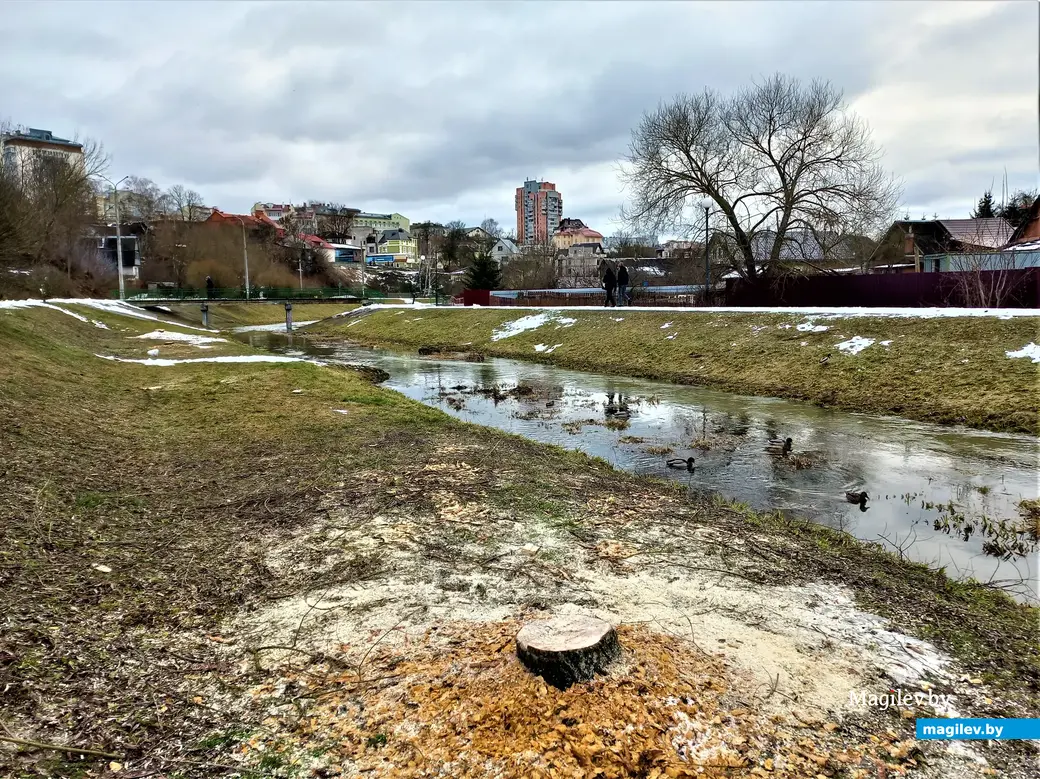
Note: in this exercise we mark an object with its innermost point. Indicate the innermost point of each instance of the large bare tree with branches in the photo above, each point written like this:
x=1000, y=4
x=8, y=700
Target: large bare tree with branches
x=774, y=157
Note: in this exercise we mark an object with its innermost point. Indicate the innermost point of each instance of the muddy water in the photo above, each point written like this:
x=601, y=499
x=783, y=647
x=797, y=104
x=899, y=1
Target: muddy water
x=911, y=470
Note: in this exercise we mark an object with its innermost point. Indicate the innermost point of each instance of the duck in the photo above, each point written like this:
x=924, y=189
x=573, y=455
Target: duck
x=857, y=497
x=679, y=462
x=826, y=359
x=779, y=445
x=550, y=403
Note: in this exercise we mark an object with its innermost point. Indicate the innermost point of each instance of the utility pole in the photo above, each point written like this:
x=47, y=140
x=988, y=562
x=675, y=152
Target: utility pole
x=245, y=254
x=301, y=272
x=119, y=237
x=706, y=205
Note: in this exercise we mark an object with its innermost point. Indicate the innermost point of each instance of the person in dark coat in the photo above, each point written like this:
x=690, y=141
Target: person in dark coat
x=623, y=298
x=609, y=283
x=209, y=286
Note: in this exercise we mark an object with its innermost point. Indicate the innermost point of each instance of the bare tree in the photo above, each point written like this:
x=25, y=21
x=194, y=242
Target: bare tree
x=776, y=156
x=47, y=205
x=185, y=204
x=456, y=250
x=536, y=267
x=985, y=276
x=335, y=226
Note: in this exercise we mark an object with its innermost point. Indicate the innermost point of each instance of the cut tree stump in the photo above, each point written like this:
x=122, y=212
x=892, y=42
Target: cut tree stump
x=565, y=650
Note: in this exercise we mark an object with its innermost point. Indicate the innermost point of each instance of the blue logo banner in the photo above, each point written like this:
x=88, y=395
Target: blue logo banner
x=964, y=728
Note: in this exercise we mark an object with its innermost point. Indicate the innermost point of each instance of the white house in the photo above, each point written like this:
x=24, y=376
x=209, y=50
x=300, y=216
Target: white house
x=20, y=146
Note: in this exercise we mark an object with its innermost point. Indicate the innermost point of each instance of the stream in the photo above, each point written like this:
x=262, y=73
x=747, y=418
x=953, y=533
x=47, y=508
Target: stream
x=926, y=482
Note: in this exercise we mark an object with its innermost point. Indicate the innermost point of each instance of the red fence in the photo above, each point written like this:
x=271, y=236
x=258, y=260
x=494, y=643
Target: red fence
x=889, y=290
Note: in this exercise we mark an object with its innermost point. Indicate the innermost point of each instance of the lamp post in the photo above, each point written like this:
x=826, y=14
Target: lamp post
x=119, y=237
x=706, y=205
x=245, y=254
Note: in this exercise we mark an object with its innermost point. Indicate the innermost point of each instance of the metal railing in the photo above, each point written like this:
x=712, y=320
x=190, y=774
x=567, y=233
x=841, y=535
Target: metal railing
x=255, y=293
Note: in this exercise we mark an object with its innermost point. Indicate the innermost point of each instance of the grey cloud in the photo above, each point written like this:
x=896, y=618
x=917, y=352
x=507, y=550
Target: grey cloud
x=444, y=100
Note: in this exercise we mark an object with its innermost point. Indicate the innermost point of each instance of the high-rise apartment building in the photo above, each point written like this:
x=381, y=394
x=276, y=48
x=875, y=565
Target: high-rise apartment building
x=539, y=208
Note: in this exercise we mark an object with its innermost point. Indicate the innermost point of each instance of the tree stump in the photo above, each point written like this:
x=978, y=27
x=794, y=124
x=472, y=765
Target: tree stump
x=565, y=650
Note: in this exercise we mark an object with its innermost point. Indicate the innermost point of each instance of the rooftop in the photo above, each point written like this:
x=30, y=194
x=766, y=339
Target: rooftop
x=44, y=136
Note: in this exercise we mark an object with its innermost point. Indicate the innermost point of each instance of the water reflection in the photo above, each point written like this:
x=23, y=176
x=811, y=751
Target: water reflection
x=912, y=471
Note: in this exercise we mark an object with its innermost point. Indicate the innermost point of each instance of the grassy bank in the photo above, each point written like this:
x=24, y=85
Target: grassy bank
x=945, y=370
x=226, y=315
x=141, y=505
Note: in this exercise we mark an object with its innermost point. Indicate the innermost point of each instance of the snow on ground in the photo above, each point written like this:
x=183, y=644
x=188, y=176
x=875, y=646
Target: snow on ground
x=547, y=349
x=855, y=345
x=98, y=324
x=111, y=306
x=1030, y=350
x=517, y=326
x=886, y=343
x=666, y=325
x=565, y=321
x=809, y=327
x=191, y=338
x=270, y=328
x=230, y=358
x=13, y=304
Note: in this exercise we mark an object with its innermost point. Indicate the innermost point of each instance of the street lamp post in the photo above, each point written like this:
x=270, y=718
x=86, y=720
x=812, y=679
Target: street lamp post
x=245, y=254
x=119, y=236
x=706, y=205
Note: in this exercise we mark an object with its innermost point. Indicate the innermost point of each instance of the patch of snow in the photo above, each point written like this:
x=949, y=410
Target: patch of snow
x=1030, y=351
x=855, y=345
x=19, y=272
x=565, y=322
x=229, y=358
x=110, y=306
x=547, y=349
x=517, y=326
x=191, y=338
x=666, y=325
x=809, y=327
x=341, y=411
x=119, y=307
x=274, y=327
x=670, y=337
x=618, y=318
x=540, y=347
x=804, y=343
x=784, y=327
x=885, y=343
x=100, y=325
x=13, y=304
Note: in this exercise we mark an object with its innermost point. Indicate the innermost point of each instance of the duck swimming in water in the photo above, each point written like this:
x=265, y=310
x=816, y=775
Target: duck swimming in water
x=678, y=462
x=857, y=497
x=779, y=445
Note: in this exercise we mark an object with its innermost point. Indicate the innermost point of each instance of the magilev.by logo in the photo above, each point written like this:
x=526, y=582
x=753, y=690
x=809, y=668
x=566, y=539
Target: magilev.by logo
x=901, y=699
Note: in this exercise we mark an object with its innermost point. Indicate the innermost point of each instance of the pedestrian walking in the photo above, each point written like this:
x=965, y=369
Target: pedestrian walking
x=209, y=286
x=609, y=283
x=623, y=298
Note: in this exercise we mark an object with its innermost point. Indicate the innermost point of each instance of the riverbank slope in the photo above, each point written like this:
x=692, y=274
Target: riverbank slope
x=240, y=567
x=933, y=368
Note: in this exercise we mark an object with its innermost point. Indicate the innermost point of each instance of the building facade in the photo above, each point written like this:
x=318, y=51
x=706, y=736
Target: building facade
x=20, y=146
x=539, y=209
x=567, y=237
x=380, y=222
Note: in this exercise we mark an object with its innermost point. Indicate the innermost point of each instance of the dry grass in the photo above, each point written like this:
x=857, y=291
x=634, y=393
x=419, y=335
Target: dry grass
x=943, y=370
x=140, y=505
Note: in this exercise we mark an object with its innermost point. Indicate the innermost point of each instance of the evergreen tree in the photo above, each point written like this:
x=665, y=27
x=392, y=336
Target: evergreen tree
x=483, y=273
x=1016, y=210
x=984, y=210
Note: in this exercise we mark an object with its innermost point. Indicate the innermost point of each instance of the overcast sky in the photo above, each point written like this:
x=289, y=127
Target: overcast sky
x=440, y=110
